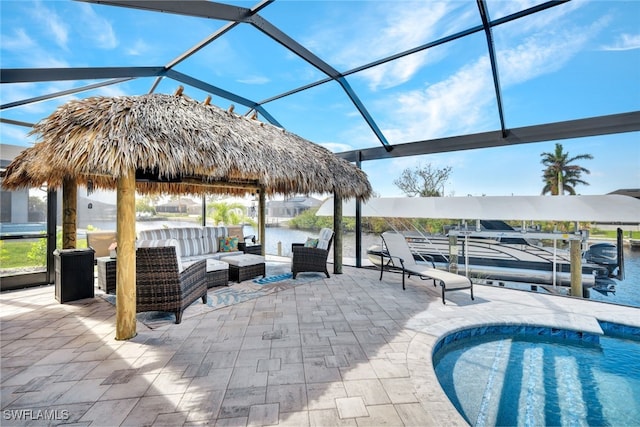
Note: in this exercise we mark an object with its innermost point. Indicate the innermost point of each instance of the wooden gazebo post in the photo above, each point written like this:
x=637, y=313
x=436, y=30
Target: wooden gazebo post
x=126, y=261
x=69, y=213
x=337, y=236
x=262, y=216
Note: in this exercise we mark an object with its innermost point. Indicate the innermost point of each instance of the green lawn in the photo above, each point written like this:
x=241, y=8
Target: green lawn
x=612, y=234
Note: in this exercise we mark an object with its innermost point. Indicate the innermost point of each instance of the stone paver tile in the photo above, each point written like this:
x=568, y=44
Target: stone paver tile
x=253, y=343
x=221, y=359
x=247, y=377
x=352, y=352
x=7, y=396
x=136, y=386
x=109, y=412
x=316, y=351
x=294, y=419
x=185, y=359
x=237, y=401
x=339, y=361
x=329, y=417
x=413, y=414
x=311, y=339
x=344, y=338
x=399, y=390
x=291, y=397
x=27, y=375
x=64, y=355
x=370, y=390
x=351, y=407
x=264, y=414
x=83, y=391
x=265, y=365
x=101, y=353
x=326, y=332
x=119, y=376
x=35, y=384
x=218, y=379
x=151, y=364
x=170, y=420
x=168, y=382
x=228, y=422
x=105, y=368
x=324, y=395
x=315, y=371
x=288, y=341
x=201, y=406
x=386, y=369
x=287, y=355
x=358, y=371
x=47, y=394
x=194, y=371
x=288, y=374
x=381, y=415
x=148, y=408
x=250, y=357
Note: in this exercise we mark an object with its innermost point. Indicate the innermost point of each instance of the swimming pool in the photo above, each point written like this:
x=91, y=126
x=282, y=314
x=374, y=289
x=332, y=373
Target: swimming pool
x=526, y=375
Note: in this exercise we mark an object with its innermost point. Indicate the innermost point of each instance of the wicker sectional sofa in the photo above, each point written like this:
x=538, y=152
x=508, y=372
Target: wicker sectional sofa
x=193, y=244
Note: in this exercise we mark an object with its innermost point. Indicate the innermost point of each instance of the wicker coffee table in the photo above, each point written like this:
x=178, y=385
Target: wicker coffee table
x=244, y=267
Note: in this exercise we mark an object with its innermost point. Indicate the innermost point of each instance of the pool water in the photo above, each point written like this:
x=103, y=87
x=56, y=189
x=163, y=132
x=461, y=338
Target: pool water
x=534, y=379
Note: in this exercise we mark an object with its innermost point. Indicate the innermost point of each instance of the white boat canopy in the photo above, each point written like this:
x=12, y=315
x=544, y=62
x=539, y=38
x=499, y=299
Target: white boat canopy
x=612, y=208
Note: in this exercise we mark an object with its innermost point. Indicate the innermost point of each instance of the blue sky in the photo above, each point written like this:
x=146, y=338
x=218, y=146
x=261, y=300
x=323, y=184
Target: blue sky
x=577, y=60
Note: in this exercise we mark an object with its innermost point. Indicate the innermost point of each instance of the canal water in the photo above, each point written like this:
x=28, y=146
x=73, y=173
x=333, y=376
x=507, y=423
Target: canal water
x=278, y=240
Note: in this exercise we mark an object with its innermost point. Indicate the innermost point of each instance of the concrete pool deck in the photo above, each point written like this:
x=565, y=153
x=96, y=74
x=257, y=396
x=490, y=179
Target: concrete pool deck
x=349, y=350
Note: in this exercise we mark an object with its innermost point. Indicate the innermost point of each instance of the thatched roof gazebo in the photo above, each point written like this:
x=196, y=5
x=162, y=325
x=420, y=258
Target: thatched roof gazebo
x=170, y=144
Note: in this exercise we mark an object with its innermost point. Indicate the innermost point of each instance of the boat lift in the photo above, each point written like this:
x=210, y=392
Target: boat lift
x=576, y=241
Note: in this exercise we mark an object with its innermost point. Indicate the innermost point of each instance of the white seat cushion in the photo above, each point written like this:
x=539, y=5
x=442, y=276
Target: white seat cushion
x=243, y=260
x=215, y=265
x=325, y=236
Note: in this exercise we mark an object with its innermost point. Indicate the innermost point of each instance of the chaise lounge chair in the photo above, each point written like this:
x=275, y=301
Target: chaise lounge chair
x=401, y=257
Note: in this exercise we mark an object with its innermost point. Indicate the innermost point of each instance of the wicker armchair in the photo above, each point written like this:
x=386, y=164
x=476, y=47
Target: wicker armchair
x=312, y=259
x=160, y=286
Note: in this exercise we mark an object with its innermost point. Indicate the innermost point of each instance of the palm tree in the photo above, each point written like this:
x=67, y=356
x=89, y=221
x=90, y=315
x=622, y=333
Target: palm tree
x=560, y=175
x=226, y=213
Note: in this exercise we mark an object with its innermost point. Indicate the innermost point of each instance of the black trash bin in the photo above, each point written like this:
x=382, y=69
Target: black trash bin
x=74, y=274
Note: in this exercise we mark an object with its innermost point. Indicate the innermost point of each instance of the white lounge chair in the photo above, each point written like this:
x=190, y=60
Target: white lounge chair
x=401, y=257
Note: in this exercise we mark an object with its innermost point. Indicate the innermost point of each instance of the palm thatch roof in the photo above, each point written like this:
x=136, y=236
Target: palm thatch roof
x=185, y=145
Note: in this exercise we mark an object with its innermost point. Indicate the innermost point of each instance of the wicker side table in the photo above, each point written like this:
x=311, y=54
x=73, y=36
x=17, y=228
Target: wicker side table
x=107, y=274
x=250, y=249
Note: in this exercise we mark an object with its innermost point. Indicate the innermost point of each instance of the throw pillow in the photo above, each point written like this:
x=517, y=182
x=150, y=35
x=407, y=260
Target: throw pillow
x=311, y=243
x=228, y=244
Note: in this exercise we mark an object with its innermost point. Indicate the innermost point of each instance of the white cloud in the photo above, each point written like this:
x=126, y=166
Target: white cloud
x=98, y=28
x=386, y=30
x=138, y=48
x=15, y=135
x=460, y=103
x=254, y=80
x=19, y=41
x=112, y=90
x=546, y=51
x=454, y=103
x=52, y=23
x=336, y=147
x=624, y=42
